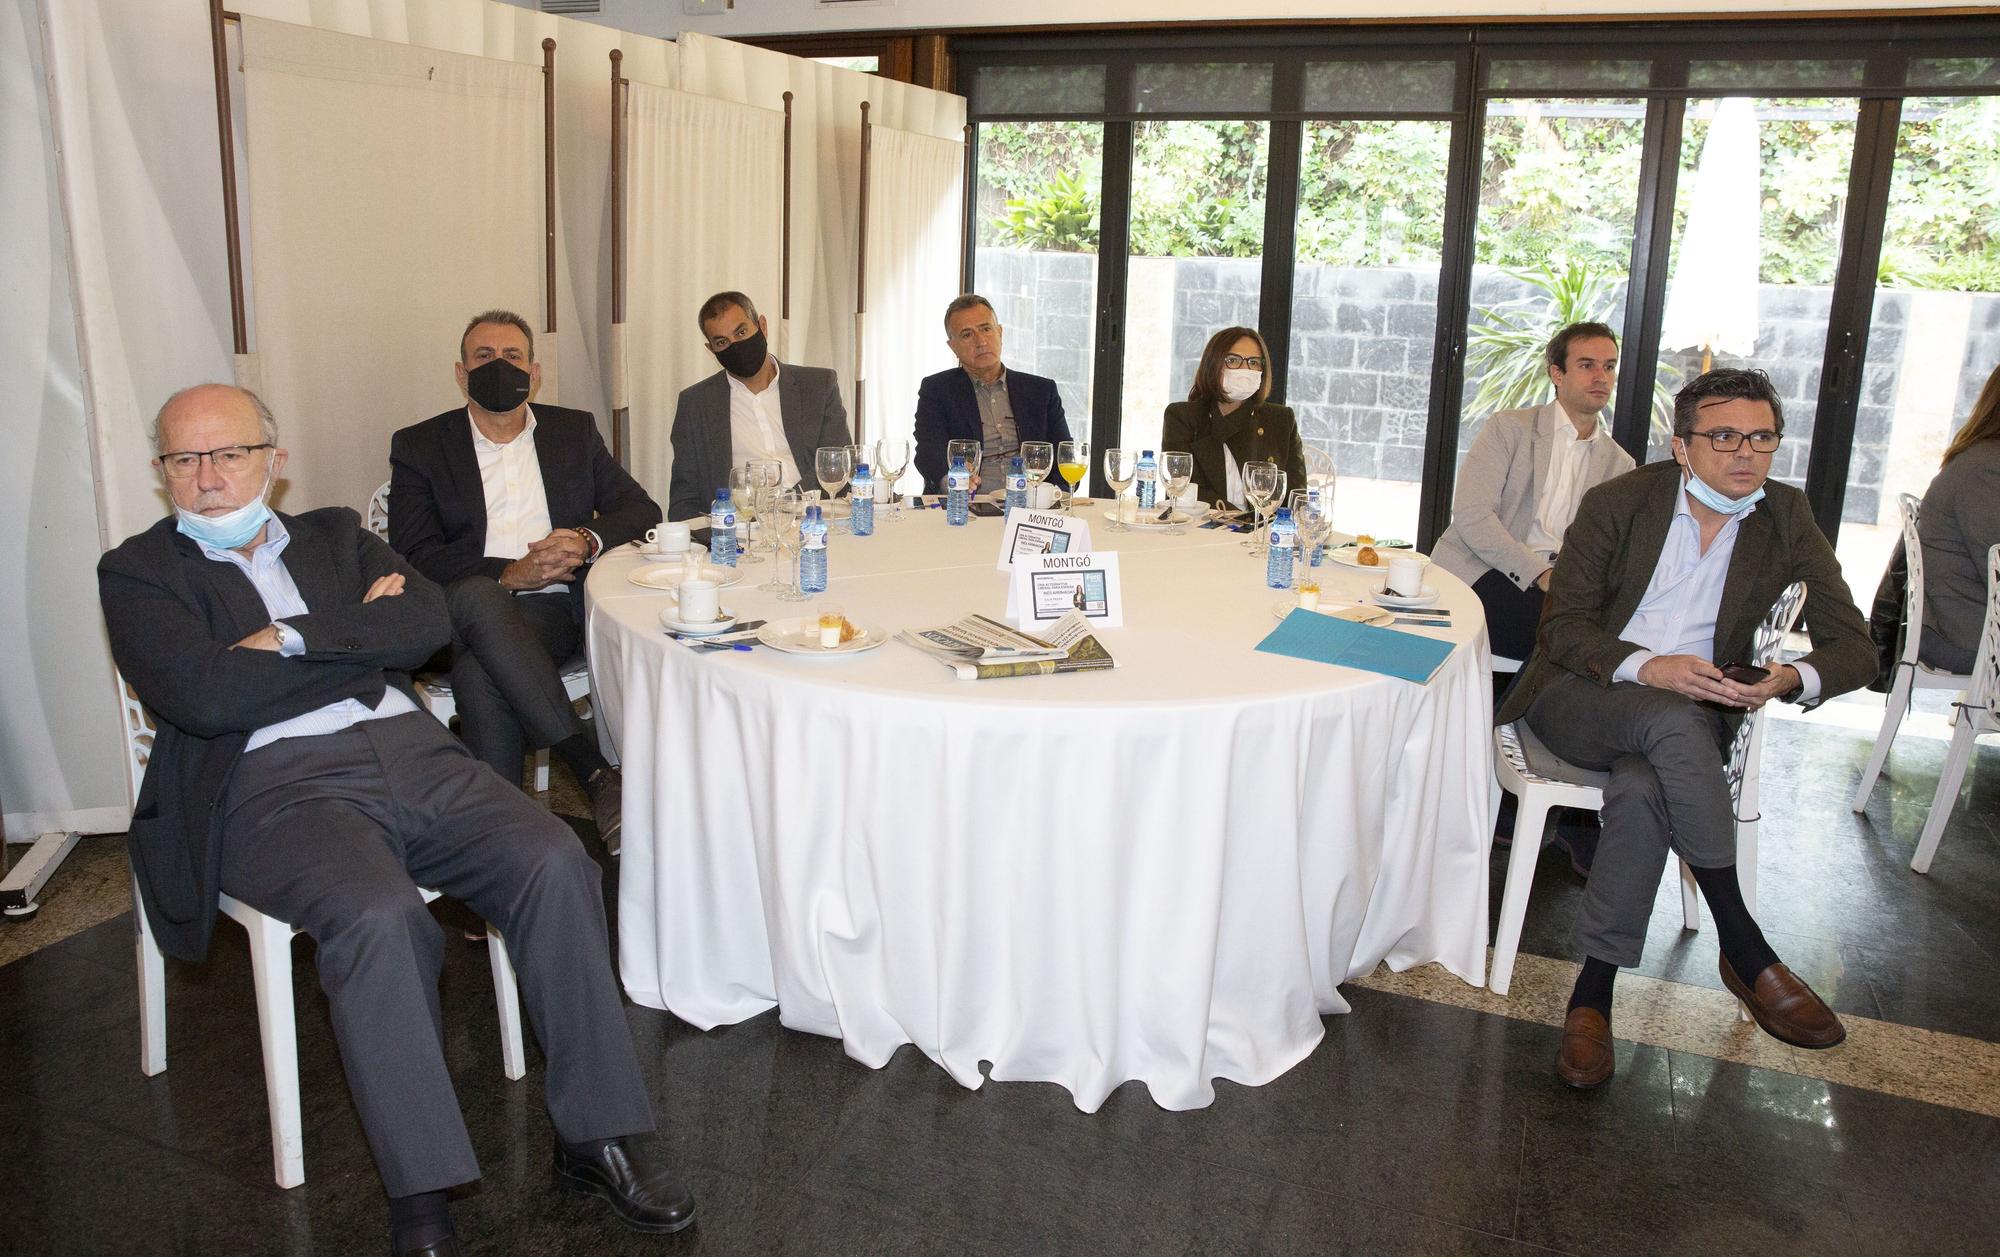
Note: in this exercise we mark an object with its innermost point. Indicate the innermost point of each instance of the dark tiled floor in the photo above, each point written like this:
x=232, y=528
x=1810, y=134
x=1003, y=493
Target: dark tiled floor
x=1414, y=1128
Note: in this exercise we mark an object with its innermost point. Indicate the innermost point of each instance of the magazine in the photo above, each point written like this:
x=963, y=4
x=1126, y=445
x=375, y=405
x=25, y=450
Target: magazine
x=978, y=648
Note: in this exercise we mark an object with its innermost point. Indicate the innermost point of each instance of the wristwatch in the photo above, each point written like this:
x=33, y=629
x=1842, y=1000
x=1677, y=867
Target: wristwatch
x=286, y=635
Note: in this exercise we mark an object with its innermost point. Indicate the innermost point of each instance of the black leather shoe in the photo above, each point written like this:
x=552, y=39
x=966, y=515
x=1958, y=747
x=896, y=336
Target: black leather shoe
x=644, y=1193
x=446, y=1247
x=606, y=788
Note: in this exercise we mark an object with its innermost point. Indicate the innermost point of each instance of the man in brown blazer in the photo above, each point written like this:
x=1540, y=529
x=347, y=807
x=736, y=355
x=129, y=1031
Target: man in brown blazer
x=1665, y=574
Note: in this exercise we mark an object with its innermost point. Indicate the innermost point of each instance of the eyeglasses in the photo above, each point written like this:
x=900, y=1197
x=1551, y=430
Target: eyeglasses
x=224, y=458
x=1236, y=361
x=1726, y=440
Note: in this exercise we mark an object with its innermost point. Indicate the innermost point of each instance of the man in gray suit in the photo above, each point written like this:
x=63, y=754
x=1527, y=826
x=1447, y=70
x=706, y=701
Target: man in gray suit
x=1520, y=483
x=755, y=407
x=1665, y=574
x=294, y=771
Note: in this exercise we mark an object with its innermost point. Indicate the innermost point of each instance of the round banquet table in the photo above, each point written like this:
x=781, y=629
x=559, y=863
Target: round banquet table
x=1159, y=872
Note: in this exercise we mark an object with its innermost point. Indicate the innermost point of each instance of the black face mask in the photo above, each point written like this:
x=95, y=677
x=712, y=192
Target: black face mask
x=498, y=387
x=744, y=358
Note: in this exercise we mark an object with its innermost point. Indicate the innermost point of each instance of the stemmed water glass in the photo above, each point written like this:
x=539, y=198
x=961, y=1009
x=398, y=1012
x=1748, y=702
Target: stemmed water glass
x=892, y=459
x=1178, y=468
x=1121, y=467
x=1314, y=527
x=1038, y=459
x=766, y=474
x=787, y=504
x=969, y=451
x=833, y=465
x=1263, y=484
x=743, y=492
x=1073, y=464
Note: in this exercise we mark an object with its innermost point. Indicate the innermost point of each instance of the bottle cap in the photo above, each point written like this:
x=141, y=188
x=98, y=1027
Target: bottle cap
x=861, y=469
x=1284, y=513
x=1016, y=464
x=722, y=495
x=1146, y=453
x=958, y=460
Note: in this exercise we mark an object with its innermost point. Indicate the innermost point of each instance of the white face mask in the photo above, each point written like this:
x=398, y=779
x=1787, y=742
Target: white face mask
x=1240, y=383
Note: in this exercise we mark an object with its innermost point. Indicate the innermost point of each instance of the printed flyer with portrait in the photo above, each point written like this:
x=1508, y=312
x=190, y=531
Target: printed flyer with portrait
x=1040, y=532
x=1047, y=587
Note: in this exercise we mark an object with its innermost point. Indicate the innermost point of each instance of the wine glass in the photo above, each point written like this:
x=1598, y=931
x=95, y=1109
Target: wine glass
x=1312, y=523
x=857, y=454
x=1073, y=464
x=832, y=465
x=1038, y=459
x=970, y=451
x=743, y=492
x=1178, y=467
x=892, y=459
x=787, y=504
x=1121, y=467
x=766, y=474
x=1263, y=483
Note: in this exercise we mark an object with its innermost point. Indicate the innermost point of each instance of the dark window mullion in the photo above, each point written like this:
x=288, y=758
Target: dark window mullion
x=1281, y=212
x=1461, y=217
x=1114, y=237
x=1646, y=287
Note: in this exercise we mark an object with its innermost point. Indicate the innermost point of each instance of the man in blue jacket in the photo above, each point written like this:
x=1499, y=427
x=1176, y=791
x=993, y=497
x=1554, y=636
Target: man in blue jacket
x=981, y=400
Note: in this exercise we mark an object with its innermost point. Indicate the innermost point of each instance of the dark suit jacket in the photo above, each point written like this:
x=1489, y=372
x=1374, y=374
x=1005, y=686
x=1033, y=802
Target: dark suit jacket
x=437, y=505
x=1266, y=433
x=809, y=407
x=1608, y=557
x=173, y=614
x=948, y=410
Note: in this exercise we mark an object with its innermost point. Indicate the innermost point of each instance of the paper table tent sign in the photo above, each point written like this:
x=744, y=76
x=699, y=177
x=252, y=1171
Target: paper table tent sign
x=1046, y=587
x=1040, y=532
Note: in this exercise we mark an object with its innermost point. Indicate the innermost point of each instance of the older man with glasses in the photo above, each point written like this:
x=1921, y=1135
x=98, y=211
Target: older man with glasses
x=1665, y=574
x=294, y=771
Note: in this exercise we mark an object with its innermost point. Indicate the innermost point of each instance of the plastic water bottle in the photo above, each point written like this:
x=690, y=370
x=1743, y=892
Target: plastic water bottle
x=958, y=493
x=1017, y=485
x=812, y=552
x=1321, y=502
x=722, y=530
x=1149, y=481
x=1278, y=564
x=861, y=502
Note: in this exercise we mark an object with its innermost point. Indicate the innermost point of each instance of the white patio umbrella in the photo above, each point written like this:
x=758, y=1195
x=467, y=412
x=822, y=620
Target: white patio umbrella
x=1712, y=296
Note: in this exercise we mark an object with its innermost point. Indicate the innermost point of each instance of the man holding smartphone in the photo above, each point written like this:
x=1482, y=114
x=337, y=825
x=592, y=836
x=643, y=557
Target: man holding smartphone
x=1665, y=574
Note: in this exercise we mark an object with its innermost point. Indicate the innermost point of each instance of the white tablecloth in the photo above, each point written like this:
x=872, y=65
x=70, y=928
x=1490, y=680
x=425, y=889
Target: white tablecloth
x=1160, y=872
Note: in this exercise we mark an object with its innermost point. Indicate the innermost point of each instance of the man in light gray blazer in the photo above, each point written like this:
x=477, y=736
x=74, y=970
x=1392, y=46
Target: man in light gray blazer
x=755, y=407
x=1520, y=484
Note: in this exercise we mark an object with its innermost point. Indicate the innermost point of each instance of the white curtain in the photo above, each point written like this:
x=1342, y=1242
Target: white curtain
x=826, y=173
x=916, y=190
x=704, y=212
x=394, y=191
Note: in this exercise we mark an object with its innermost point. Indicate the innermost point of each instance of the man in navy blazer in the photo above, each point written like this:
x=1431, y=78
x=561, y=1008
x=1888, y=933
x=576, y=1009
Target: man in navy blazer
x=981, y=400
x=506, y=505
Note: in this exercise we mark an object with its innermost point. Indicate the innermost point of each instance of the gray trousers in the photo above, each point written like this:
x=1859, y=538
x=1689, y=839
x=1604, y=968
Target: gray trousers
x=1667, y=793
x=505, y=677
x=335, y=833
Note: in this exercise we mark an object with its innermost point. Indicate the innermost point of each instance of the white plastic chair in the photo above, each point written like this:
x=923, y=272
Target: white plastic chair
x=1542, y=780
x=1911, y=673
x=435, y=691
x=1978, y=715
x=271, y=971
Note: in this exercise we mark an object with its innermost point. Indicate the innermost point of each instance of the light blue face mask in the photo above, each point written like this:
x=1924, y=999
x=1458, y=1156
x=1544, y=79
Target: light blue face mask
x=227, y=531
x=1705, y=494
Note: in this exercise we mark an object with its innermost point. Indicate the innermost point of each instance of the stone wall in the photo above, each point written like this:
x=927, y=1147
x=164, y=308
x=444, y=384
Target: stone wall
x=1362, y=340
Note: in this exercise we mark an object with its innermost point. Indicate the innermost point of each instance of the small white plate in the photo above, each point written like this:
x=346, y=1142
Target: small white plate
x=1344, y=555
x=1150, y=521
x=667, y=576
x=1359, y=614
x=1424, y=597
x=679, y=556
x=671, y=621
x=801, y=637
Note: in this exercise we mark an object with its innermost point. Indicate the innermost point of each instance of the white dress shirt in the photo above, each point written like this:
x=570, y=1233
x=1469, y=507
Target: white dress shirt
x=517, y=503
x=757, y=429
x=1677, y=614
x=1564, y=483
x=274, y=584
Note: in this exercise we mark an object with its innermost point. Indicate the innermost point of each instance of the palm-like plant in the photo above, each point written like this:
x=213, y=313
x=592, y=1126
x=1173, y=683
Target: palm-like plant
x=1060, y=215
x=1505, y=347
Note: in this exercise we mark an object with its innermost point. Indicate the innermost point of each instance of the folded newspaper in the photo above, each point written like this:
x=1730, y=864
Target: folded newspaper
x=979, y=648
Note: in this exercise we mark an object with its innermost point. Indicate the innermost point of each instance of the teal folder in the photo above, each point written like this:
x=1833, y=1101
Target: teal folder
x=1324, y=639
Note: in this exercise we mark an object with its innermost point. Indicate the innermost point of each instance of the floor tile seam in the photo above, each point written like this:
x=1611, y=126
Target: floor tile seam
x=1367, y=1202
x=1801, y=1065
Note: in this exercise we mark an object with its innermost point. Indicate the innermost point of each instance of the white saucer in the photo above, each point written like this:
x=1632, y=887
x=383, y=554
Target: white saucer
x=1359, y=614
x=670, y=622
x=1344, y=555
x=1425, y=596
x=801, y=637
x=1148, y=520
x=667, y=576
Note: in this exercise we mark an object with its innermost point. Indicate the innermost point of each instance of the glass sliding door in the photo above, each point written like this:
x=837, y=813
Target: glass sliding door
x=1935, y=332
x=1196, y=257
x=1035, y=223
x=1369, y=238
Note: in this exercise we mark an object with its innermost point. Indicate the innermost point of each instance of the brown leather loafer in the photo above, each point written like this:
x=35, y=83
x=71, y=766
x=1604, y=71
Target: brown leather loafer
x=1786, y=1007
x=1586, y=1058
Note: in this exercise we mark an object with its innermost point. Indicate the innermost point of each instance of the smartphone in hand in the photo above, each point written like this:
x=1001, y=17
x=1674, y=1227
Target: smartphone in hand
x=1746, y=674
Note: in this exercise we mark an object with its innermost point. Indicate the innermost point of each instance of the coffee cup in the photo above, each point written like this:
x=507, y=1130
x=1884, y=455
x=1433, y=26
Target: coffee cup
x=668, y=538
x=1406, y=577
x=701, y=601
